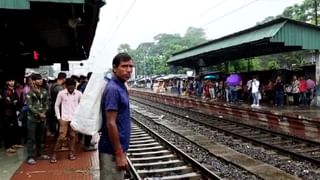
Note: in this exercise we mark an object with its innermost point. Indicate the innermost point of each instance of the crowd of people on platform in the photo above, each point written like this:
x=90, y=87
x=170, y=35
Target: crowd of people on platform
x=39, y=108
x=297, y=92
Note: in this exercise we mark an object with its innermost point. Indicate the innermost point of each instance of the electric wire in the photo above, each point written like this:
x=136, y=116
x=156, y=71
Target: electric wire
x=231, y=12
x=122, y=20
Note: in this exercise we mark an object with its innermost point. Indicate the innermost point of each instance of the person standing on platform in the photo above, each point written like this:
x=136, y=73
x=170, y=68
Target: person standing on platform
x=279, y=92
x=303, y=91
x=310, y=89
x=68, y=99
x=255, y=92
x=116, y=123
x=54, y=90
x=295, y=90
x=37, y=102
x=9, y=120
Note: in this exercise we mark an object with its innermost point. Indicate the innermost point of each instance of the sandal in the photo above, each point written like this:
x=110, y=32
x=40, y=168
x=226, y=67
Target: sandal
x=31, y=161
x=53, y=159
x=11, y=150
x=44, y=157
x=72, y=157
x=18, y=146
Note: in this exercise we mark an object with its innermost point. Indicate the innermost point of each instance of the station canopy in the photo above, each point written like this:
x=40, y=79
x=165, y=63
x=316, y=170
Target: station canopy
x=56, y=31
x=173, y=76
x=25, y=4
x=276, y=36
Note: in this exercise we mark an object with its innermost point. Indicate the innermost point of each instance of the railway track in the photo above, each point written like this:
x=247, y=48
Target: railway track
x=294, y=155
x=152, y=157
x=297, y=147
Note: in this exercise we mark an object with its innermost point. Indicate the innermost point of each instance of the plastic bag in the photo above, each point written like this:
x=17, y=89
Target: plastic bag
x=87, y=118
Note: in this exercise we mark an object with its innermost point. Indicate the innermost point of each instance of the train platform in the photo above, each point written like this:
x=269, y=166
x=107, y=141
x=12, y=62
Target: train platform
x=14, y=167
x=302, y=122
x=304, y=112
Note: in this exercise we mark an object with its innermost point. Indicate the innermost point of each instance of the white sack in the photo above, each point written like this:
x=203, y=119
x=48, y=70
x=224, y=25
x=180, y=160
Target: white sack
x=87, y=118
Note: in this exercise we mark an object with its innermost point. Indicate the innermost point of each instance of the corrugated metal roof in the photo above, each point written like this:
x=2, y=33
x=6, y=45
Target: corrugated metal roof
x=283, y=30
x=60, y=1
x=25, y=4
x=14, y=4
x=296, y=35
x=267, y=32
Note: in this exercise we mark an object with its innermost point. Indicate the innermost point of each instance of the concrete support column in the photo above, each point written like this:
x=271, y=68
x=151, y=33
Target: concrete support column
x=317, y=78
x=198, y=70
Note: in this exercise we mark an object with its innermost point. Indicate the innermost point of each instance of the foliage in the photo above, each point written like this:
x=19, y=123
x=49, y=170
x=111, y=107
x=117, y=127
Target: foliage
x=151, y=57
x=304, y=12
x=273, y=64
x=124, y=48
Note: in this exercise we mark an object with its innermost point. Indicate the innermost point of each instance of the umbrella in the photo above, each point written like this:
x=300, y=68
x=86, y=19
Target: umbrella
x=233, y=80
x=210, y=77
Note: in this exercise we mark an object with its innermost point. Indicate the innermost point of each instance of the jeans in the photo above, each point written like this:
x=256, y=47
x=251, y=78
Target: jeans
x=36, y=133
x=255, y=97
x=303, y=98
x=227, y=95
x=296, y=99
x=10, y=131
x=279, y=98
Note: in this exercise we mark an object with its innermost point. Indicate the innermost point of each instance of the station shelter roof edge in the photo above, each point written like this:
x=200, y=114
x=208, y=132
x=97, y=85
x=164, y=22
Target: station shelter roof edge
x=279, y=35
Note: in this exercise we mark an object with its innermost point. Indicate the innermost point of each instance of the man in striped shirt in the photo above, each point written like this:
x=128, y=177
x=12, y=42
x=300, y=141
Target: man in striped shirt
x=68, y=99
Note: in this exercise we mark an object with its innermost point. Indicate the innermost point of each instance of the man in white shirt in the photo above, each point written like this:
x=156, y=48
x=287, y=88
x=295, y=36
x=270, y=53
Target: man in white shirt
x=255, y=92
x=65, y=105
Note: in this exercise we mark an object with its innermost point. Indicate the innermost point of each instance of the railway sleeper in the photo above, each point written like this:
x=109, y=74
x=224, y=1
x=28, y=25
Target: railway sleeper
x=308, y=150
x=144, y=145
x=160, y=164
x=271, y=139
x=280, y=142
x=145, y=149
x=178, y=169
x=139, y=135
x=243, y=131
x=143, y=141
x=260, y=136
x=227, y=127
x=189, y=176
x=153, y=158
x=315, y=154
x=150, y=153
x=140, y=138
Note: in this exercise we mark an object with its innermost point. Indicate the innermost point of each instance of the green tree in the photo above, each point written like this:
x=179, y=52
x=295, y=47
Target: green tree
x=194, y=36
x=273, y=64
x=304, y=12
x=255, y=64
x=124, y=48
x=151, y=57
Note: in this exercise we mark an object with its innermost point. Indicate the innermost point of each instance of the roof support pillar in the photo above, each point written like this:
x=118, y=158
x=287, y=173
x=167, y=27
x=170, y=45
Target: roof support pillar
x=317, y=78
x=197, y=70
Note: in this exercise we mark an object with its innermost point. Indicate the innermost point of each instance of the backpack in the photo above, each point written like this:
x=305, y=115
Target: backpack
x=87, y=118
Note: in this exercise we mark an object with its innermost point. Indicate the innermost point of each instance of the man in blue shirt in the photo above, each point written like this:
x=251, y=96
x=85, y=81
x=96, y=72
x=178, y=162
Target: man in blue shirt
x=116, y=125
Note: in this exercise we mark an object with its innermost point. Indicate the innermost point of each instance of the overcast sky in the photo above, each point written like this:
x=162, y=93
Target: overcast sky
x=137, y=21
